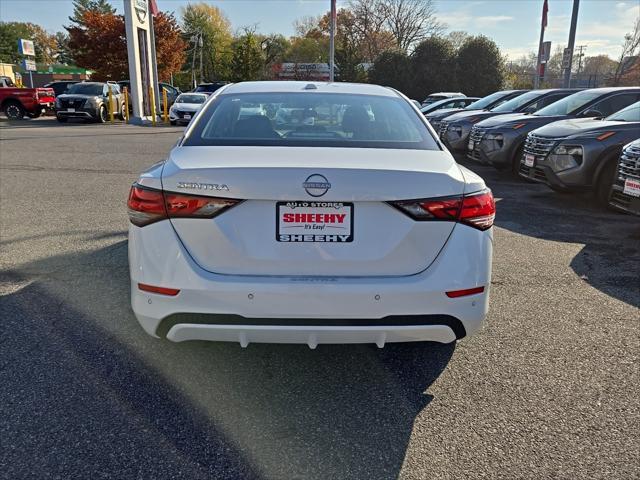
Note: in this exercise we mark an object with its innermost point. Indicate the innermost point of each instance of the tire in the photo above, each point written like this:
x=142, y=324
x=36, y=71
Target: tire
x=121, y=115
x=102, y=114
x=62, y=119
x=605, y=182
x=515, y=163
x=172, y=122
x=14, y=110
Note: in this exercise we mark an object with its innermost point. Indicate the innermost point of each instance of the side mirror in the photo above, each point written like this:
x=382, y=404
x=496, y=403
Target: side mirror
x=592, y=113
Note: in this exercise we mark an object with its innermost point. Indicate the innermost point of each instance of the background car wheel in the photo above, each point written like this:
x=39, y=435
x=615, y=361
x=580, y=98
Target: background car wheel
x=62, y=119
x=515, y=163
x=172, y=122
x=605, y=181
x=121, y=115
x=14, y=111
x=102, y=114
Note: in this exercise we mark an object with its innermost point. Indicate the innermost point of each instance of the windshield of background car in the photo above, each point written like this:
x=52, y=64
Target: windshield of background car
x=569, y=104
x=629, y=114
x=85, y=89
x=432, y=106
x=191, y=99
x=484, y=102
x=515, y=103
x=311, y=120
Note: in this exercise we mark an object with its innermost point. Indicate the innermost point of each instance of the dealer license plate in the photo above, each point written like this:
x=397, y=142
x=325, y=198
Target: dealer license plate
x=529, y=160
x=187, y=117
x=631, y=187
x=71, y=109
x=328, y=222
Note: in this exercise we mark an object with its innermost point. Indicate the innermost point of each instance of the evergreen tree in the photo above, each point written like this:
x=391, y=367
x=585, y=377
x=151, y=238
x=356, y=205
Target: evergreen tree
x=80, y=7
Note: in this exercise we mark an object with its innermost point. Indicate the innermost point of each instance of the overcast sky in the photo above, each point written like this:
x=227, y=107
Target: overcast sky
x=513, y=24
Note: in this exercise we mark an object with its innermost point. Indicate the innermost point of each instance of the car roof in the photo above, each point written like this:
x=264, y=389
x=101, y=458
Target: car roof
x=302, y=86
x=610, y=89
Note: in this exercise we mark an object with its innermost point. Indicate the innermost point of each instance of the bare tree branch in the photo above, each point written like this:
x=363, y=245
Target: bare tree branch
x=630, y=48
x=411, y=21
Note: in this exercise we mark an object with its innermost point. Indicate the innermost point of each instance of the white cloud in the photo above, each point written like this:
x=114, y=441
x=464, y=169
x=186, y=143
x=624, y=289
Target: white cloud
x=492, y=21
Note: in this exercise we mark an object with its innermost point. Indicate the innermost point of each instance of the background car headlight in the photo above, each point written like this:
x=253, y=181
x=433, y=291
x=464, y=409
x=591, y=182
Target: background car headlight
x=456, y=129
x=564, y=157
x=494, y=141
x=568, y=150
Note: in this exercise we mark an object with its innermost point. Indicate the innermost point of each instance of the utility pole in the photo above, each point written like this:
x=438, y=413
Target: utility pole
x=580, y=55
x=201, y=44
x=332, y=42
x=572, y=41
x=543, y=25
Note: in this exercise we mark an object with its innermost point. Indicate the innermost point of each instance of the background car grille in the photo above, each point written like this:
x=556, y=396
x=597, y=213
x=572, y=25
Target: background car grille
x=72, y=103
x=181, y=114
x=443, y=128
x=539, y=146
x=476, y=135
x=628, y=167
x=533, y=172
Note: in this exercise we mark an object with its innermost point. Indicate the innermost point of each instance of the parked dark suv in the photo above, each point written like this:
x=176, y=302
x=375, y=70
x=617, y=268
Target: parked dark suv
x=503, y=137
x=485, y=103
x=625, y=193
x=90, y=101
x=580, y=154
x=209, y=88
x=61, y=86
x=456, y=134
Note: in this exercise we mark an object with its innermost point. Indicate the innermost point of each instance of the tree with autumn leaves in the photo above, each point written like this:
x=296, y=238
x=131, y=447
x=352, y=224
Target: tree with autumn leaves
x=97, y=41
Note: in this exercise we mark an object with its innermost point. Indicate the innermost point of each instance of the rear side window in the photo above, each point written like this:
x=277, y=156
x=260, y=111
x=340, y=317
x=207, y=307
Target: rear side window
x=612, y=104
x=311, y=119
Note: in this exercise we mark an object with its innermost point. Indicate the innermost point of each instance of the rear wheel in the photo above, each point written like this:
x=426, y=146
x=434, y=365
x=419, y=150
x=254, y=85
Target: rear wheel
x=121, y=115
x=62, y=119
x=14, y=110
x=172, y=122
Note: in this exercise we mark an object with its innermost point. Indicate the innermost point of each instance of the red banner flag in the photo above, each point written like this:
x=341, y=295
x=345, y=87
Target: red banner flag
x=545, y=11
x=153, y=6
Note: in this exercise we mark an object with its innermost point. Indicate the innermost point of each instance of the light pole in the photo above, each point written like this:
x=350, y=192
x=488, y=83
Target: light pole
x=332, y=42
x=572, y=41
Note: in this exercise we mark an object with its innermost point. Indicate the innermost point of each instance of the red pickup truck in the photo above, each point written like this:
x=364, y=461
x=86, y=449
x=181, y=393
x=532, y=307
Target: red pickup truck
x=17, y=102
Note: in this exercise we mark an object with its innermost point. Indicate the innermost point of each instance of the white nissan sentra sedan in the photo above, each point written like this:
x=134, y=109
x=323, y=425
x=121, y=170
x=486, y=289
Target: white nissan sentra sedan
x=348, y=223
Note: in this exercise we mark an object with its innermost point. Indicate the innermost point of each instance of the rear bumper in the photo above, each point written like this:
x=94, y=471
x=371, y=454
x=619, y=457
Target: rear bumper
x=305, y=309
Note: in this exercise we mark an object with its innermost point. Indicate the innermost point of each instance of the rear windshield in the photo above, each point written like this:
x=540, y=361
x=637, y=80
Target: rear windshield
x=484, y=102
x=86, y=89
x=311, y=119
x=516, y=103
x=629, y=114
x=568, y=105
x=191, y=99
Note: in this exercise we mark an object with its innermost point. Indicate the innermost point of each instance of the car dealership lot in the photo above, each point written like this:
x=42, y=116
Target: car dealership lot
x=548, y=389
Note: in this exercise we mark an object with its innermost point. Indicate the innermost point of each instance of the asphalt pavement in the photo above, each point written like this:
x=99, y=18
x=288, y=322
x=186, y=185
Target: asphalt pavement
x=548, y=389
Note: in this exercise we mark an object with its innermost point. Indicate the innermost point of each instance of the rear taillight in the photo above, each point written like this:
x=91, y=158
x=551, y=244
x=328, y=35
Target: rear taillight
x=147, y=205
x=477, y=210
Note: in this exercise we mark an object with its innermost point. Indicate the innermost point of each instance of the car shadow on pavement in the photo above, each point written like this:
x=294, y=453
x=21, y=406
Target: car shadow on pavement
x=610, y=257
x=86, y=391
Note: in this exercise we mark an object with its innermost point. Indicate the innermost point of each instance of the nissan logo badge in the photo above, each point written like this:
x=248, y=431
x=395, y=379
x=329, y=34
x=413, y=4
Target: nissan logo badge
x=316, y=185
